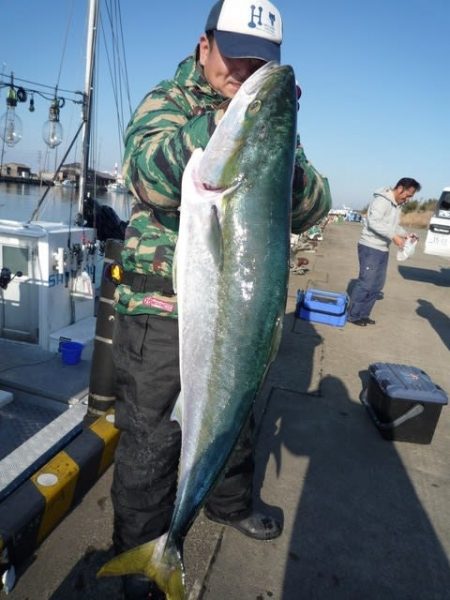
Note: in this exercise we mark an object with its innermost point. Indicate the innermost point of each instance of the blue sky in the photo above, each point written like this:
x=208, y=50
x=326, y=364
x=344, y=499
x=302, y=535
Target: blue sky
x=375, y=78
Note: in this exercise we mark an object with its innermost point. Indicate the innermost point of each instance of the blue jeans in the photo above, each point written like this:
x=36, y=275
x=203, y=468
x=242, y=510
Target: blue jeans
x=370, y=282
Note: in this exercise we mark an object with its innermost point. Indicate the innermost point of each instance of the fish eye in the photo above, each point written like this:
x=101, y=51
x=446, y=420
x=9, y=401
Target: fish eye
x=254, y=107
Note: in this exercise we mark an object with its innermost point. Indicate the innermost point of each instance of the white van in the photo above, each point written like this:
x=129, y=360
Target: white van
x=438, y=235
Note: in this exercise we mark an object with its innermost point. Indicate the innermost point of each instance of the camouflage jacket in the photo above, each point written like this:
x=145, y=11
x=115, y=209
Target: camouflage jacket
x=176, y=117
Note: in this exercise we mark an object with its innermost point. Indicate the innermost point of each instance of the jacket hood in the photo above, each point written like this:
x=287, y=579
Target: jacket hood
x=387, y=193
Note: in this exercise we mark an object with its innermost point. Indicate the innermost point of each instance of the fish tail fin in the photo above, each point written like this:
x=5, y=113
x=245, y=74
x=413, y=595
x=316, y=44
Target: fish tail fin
x=159, y=560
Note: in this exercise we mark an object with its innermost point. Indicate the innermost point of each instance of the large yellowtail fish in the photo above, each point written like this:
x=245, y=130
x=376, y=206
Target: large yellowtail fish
x=232, y=265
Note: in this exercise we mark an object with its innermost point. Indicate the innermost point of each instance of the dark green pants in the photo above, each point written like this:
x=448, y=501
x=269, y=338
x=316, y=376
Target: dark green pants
x=146, y=360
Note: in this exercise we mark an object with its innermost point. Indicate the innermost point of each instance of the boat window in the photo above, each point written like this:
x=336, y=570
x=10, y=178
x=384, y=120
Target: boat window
x=15, y=259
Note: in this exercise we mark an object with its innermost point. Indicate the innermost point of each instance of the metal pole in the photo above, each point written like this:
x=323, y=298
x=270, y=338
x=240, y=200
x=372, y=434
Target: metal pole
x=87, y=104
x=1, y=160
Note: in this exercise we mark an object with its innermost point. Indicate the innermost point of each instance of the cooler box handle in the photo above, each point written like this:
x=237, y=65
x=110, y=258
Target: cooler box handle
x=329, y=295
x=415, y=411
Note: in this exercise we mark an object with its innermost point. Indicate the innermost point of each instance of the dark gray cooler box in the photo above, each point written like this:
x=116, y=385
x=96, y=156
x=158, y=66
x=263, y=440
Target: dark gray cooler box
x=403, y=402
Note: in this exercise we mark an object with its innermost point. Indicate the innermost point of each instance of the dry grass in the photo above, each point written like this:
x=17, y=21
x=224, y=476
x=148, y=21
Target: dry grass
x=416, y=220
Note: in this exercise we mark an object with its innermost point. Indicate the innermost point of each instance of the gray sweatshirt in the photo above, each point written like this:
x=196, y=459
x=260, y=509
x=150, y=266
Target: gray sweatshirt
x=382, y=221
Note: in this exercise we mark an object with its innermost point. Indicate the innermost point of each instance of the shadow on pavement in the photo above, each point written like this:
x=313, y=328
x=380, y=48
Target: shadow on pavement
x=358, y=529
x=287, y=373
x=440, y=278
x=437, y=319
x=82, y=583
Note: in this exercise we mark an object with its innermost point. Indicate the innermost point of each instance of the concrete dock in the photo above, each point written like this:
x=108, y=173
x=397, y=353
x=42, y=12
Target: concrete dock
x=364, y=518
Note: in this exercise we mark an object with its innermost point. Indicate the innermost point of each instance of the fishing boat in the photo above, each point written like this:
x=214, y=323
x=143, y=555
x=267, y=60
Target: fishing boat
x=66, y=183
x=117, y=187
x=49, y=449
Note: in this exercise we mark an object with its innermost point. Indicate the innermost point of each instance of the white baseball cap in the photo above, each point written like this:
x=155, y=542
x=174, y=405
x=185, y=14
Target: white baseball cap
x=246, y=29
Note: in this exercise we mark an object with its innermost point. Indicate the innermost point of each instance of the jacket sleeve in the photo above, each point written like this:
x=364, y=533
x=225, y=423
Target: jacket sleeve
x=159, y=140
x=311, y=196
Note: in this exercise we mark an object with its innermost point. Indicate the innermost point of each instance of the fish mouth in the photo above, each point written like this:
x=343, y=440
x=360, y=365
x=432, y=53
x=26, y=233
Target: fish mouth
x=209, y=187
x=220, y=189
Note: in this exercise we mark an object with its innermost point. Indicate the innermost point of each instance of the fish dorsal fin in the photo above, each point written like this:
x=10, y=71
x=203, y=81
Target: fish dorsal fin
x=192, y=187
x=177, y=413
x=275, y=345
x=276, y=340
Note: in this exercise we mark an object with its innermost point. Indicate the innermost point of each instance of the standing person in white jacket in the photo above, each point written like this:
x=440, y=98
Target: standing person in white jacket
x=381, y=228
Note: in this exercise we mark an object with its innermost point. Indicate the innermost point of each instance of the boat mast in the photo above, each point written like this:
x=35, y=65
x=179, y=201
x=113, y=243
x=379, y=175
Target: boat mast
x=87, y=104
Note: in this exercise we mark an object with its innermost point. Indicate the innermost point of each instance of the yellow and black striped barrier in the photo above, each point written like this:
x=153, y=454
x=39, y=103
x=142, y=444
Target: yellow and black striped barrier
x=32, y=511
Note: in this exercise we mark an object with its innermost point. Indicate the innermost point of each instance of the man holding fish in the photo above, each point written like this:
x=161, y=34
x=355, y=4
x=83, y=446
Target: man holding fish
x=226, y=260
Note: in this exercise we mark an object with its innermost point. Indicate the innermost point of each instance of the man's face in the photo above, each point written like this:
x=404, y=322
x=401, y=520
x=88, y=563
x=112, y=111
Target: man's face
x=224, y=74
x=402, y=194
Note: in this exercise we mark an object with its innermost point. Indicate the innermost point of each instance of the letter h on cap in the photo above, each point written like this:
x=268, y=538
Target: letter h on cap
x=252, y=22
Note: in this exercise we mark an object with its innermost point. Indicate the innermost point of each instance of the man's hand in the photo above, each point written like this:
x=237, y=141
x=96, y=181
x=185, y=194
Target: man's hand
x=298, y=91
x=399, y=240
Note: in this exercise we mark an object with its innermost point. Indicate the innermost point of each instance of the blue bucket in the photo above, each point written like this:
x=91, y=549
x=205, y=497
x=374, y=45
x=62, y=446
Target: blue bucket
x=71, y=352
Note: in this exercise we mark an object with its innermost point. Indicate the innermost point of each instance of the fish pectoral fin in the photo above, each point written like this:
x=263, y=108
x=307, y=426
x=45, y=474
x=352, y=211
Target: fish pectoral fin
x=215, y=241
x=177, y=413
x=165, y=569
x=190, y=187
x=174, y=270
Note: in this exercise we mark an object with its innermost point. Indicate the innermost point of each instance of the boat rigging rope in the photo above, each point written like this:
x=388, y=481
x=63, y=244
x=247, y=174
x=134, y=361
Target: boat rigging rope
x=66, y=37
x=117, y=65
x=119, y=80
x=35, y=214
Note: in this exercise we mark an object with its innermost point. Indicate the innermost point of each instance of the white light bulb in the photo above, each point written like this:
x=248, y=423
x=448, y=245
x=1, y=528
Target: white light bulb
x=10, y=127
x=52, y=133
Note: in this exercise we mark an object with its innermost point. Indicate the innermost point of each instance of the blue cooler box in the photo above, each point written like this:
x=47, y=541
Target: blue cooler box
x=321, y=306
x=403, y=402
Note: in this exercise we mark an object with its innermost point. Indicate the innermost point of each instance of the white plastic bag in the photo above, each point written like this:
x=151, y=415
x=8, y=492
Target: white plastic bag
x=408, y=249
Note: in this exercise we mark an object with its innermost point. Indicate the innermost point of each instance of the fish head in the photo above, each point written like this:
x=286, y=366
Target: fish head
x=258, y=129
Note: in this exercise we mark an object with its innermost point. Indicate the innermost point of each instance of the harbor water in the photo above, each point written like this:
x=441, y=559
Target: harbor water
x=18, y=201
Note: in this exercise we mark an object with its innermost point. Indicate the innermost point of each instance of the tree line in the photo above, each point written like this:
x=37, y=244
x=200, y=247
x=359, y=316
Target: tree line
x=414, y=206
x=419, y=206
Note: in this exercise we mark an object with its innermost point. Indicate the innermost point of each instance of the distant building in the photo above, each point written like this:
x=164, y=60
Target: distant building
x=46, y=176
x=71, y=172
x=68, y=174
x=15, y=170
